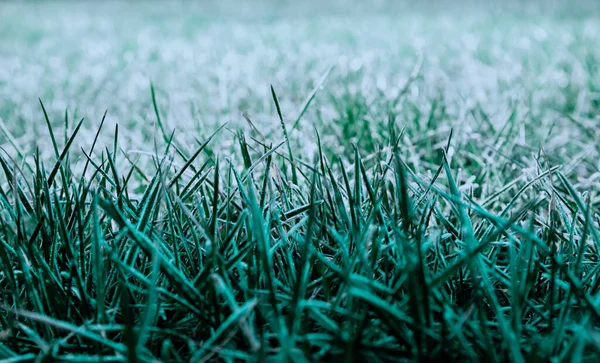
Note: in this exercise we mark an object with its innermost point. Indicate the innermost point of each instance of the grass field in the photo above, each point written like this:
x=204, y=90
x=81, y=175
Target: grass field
x=276, y=181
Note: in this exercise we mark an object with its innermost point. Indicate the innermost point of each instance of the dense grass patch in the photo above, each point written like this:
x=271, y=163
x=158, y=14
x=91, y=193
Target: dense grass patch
x=200, y=259
x=292, y=182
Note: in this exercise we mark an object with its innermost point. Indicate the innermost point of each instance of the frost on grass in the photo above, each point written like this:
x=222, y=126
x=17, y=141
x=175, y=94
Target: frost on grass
x=402, y=242
x=481, y=69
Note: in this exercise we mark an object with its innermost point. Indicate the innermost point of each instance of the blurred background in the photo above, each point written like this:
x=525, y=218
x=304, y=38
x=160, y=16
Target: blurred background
x=471, y=66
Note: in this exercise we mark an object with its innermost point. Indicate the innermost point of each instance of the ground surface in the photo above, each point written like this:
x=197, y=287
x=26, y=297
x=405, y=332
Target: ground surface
x=428, y=188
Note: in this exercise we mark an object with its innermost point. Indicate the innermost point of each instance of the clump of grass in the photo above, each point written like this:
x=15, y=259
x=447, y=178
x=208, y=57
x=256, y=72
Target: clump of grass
x=361, y=260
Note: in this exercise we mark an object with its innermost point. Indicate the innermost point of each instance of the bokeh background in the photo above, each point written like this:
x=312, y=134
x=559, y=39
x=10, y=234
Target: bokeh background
x=509, y=76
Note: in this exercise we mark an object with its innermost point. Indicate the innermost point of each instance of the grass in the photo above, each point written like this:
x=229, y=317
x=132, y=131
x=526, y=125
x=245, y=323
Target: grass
x=423, y=197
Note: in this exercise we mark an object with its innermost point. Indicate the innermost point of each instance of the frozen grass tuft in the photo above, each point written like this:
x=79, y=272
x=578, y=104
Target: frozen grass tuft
x=410, y=187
